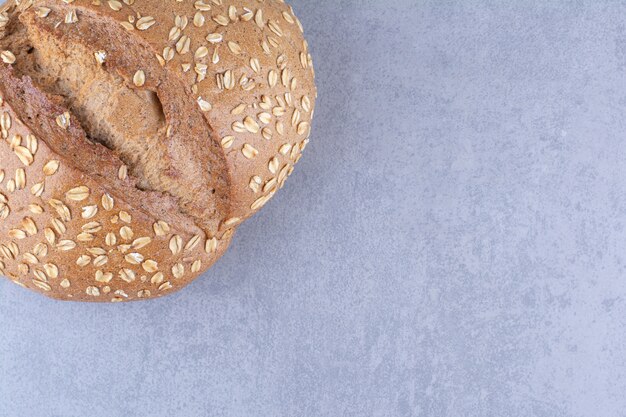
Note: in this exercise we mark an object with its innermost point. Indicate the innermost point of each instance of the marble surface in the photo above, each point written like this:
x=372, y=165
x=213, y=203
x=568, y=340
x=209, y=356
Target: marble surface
x=453, y=243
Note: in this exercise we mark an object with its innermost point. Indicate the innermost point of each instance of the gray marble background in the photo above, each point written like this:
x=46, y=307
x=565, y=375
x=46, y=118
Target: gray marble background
x=453, y=243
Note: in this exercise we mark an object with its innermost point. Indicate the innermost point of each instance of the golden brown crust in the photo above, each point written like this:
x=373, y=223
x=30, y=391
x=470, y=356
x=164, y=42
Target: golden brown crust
x=249, y=60
x=190, y=154
x=68, y=236
x=69, y=226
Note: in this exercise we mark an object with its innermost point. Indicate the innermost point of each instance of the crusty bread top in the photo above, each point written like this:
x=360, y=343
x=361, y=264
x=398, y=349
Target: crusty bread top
x=249, y=63
x=236, y=86
x=245, y=62
x=73, y=236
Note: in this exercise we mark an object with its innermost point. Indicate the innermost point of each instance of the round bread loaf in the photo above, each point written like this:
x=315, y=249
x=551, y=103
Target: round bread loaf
x=137, y=135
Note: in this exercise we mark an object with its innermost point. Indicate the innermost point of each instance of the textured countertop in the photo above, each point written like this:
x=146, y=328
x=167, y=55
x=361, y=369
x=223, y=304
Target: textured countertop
x=453, y=242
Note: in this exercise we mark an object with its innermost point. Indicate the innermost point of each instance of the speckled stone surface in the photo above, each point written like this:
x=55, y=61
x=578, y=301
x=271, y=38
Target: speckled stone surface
x=459, y=247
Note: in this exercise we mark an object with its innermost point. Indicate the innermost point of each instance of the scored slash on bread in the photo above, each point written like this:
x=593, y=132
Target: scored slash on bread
x=137, y=135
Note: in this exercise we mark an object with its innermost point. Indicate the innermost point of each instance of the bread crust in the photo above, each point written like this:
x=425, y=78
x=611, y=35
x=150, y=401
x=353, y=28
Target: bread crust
x=237, y=86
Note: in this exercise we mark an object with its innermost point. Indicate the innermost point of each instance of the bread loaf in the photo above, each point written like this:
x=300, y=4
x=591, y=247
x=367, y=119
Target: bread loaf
x=137, y=135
